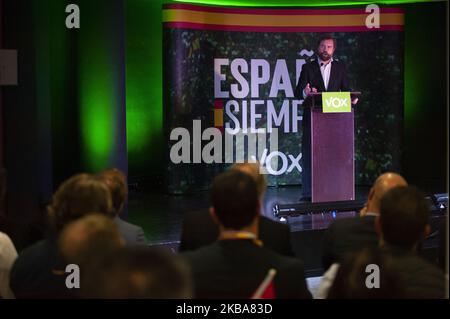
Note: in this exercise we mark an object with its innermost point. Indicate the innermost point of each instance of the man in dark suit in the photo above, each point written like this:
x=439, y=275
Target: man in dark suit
x=116, y=182
x=351, y=234
x=321, y=74
x=39, y=270
x=402, y=225
x=237, y=263
x=199, y=229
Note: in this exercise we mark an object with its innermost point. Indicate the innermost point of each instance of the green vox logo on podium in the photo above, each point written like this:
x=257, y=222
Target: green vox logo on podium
x=336, y=102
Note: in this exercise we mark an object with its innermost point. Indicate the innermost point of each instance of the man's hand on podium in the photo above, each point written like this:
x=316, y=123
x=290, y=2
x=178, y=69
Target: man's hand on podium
x=355, y=100
x=308, y=89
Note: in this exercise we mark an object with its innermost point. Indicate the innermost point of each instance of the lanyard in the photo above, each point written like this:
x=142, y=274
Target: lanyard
x=237, y=234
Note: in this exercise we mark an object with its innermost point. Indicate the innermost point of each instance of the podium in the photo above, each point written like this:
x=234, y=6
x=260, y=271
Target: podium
x=332, y=141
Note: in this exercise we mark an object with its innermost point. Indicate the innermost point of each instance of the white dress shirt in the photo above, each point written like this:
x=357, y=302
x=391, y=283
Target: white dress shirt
x=325, y=70
x=327, y=281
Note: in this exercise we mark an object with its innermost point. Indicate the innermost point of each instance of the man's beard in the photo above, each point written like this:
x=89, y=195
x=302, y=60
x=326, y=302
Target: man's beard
x=324, y=56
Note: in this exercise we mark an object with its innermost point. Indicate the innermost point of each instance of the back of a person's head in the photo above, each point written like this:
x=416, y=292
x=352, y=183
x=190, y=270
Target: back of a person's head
x=117, y=184
x=253, y=170
x=82, y=241
x=76, y=197
x=139, y=273
x=382, y=185
x=367, y=274
x=404, y=214
x=235, y=199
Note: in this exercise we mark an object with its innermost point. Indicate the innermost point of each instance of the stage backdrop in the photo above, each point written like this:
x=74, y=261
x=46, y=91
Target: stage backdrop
x=234, y=70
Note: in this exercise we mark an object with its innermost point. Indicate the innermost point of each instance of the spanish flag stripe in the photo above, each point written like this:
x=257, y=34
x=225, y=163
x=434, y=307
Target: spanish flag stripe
x=277, y=10
x=189, y=16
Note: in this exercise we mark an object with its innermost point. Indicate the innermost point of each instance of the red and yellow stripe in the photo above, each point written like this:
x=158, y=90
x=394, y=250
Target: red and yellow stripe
x=277, y=20
x=218, y=114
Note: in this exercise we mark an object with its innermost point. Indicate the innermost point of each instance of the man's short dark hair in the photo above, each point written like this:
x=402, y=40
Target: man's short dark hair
x=404, y=214
x=235, y=199
x=327, y=37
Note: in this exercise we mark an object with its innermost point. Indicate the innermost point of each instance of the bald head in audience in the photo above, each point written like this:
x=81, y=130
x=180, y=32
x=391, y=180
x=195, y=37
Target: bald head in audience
x=383, y=184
